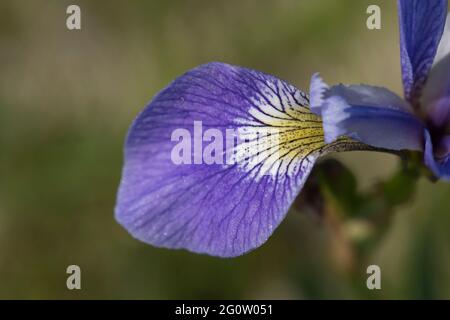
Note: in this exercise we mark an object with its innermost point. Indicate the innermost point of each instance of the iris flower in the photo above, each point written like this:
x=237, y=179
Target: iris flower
x=227, y=208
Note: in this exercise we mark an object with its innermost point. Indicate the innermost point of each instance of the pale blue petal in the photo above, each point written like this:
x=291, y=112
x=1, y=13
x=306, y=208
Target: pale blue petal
x=372, y=115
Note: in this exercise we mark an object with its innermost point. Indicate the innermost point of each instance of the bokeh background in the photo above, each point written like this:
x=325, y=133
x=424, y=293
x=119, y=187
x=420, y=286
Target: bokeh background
x=68, y=97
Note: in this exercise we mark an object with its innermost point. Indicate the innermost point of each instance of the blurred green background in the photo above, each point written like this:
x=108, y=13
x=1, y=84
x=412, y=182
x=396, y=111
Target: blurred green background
x=68, y=97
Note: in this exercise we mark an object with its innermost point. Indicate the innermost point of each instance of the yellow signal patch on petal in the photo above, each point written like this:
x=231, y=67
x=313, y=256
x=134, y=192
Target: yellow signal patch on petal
x=282, y=137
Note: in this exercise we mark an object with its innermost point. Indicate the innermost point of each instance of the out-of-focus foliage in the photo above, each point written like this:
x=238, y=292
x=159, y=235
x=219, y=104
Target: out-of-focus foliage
x=68, y=97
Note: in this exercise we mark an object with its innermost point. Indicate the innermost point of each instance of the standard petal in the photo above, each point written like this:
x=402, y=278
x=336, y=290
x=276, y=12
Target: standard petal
x=372, y=115
x=437, y=158
x=221, y=207
x=421, y=26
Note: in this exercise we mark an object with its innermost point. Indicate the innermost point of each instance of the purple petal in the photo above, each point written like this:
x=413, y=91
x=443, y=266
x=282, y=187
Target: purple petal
x=444, y=45
x=317, y=91
x=372, y=115
x=222, y=208
x=436, y=94
x=421, y=26
x=437, y=158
